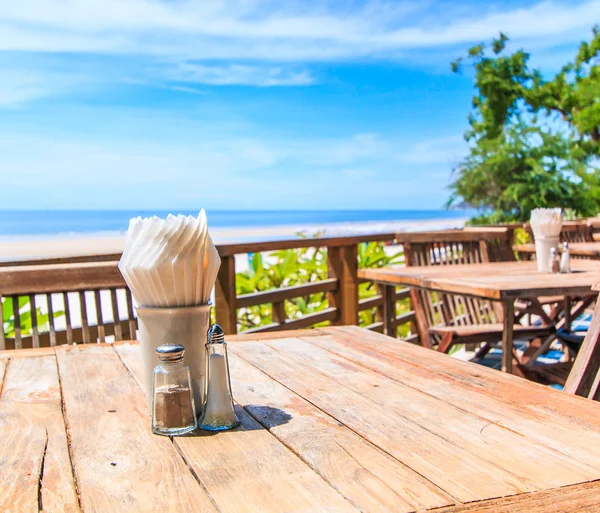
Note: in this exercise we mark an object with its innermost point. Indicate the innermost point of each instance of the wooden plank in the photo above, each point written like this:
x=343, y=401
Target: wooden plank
x=225, y=295
x=112, y=446
x=61, y=336
x=370, y=302
x=68, y=318
x=40, y=472
x=2, y=339
x=582, y=498
x=17, y=322
x=253, y=337
x=508, y=316
x=39, y=279
x=454, y=469
x=52, y=328
x=485, y=440
x=99, y=316
x=278, y=295
x=248, y=469
x=329, y=314
x=495, y=281
x=26, y=353
x=85, y=329
x=389, y=310
x=130, y=355
x=35, y=333
x=130, y=314
x=582, y=379
x=365, y=475
x=342, y=264
x=116, y=317
x=565, y=423
x=262, y=247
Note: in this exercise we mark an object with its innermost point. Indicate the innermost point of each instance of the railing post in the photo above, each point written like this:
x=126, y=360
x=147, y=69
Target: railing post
x=342, y=262
x=225, y=295
x=389, y=309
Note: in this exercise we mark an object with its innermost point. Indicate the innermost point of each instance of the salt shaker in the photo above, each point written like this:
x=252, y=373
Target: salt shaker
x=218, y=414
x=565, y=260
x=554, y=263
x=173, y=410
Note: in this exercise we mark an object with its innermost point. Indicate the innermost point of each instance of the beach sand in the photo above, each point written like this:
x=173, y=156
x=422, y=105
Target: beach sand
x=47, y=247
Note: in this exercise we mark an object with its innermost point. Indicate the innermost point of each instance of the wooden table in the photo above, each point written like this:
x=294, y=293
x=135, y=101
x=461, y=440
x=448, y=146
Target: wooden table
x=503, y=282
x=582, y=249
x=334, y=419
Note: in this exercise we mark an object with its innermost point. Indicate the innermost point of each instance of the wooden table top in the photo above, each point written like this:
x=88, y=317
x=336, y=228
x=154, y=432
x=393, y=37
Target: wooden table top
x=333, y=419
x=590, y=249
x=495, y=281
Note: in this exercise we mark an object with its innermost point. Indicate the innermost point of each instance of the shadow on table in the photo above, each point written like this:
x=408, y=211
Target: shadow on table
x=252, y=417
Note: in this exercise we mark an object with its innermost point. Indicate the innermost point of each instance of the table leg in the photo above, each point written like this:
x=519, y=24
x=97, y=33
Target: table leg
x=508, y=310
x=568, y=312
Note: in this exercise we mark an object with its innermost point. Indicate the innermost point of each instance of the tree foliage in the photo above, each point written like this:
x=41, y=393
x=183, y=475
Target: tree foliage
x=534, y=140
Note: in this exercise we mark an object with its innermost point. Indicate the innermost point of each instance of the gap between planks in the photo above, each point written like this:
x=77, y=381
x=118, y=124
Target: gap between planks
x=473, y=450
x=381, y=369
x=299, y=480
x=369, y=493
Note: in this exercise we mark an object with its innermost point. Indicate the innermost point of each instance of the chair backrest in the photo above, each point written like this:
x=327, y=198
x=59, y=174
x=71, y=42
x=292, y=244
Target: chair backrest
x=572, y=231
x=584, y=378
x=471, y=246
x=46, y=305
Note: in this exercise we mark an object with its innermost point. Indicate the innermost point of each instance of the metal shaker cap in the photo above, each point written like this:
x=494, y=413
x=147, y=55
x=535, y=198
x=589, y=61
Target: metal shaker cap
x=170, y=352
x=216, y=335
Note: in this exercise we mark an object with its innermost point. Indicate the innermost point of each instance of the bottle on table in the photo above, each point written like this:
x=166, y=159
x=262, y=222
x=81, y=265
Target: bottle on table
x=565, y=260
x=173, y=409
x=219, y=413
x=554, y=263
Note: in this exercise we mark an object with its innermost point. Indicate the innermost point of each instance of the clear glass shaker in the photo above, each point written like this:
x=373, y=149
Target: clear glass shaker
x=219, y=413
x=173, y=411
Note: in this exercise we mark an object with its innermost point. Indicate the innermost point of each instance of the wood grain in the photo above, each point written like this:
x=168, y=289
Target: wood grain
x=486, y=440
x=452, y=468
x=580, y=498
x=40, y=279
x=362, y=473
x=31, y=387
x=119, y=464
x=532, y=410
x=495, y=281
x=249, y=470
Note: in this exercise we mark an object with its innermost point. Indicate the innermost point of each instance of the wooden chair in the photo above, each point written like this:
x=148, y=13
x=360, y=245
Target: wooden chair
x=584, y=378
x=446, y=319
x=572, y=231
x=77, y=302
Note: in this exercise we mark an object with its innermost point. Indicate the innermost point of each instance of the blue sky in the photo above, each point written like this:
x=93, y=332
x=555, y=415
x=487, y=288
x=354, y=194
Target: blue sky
x=249, y=104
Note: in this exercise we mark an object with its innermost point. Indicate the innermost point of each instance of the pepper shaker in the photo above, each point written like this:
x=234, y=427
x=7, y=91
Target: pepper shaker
x=218, y=414
x=554, y=263
x=173, y=411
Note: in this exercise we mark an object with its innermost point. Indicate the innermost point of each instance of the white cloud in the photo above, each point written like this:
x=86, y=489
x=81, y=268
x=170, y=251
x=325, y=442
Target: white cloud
x=290, y=31
x=236, y=74
x=215, y=170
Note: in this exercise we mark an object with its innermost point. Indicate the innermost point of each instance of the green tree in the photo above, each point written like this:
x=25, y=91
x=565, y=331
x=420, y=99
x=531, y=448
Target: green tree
x=534, y=141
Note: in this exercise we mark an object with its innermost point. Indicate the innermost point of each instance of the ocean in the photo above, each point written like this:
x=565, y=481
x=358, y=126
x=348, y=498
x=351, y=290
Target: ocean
x=72, y=222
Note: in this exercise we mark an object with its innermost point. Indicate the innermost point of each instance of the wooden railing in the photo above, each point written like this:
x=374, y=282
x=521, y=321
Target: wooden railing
x=340, y=287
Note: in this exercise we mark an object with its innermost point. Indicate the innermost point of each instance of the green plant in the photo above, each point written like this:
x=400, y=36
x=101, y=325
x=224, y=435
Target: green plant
x=287, y=268
x=25, y=317
x=533, y=141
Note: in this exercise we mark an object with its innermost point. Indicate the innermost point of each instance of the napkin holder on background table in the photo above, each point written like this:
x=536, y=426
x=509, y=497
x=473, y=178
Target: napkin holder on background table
x=546, y=224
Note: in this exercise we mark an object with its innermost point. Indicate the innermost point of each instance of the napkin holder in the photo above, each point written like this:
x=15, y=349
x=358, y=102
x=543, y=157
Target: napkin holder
x=543, y=245
x=185, y=325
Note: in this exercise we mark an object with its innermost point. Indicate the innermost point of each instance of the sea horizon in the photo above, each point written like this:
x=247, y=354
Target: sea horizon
x=15, y=223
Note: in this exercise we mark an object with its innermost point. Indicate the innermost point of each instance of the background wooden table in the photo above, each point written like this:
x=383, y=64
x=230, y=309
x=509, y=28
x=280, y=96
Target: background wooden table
x=583, y=249
x=503, y=282
x=336, y=419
